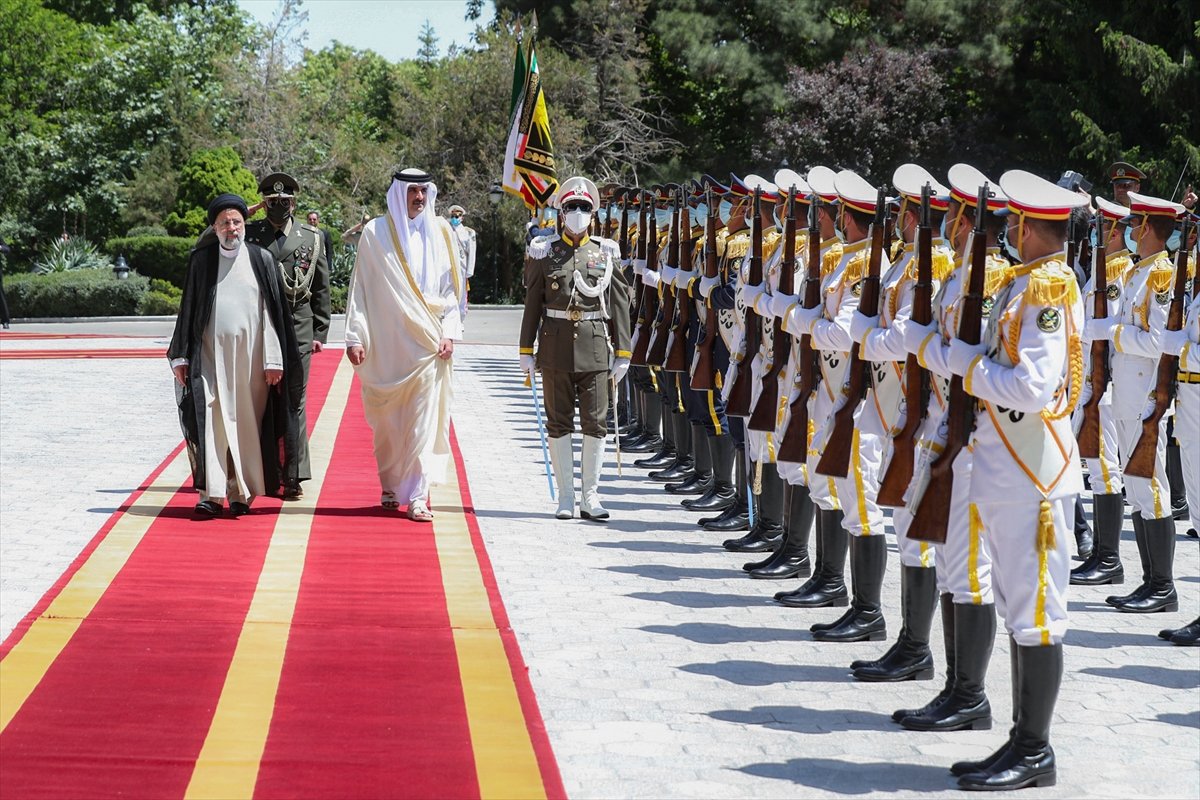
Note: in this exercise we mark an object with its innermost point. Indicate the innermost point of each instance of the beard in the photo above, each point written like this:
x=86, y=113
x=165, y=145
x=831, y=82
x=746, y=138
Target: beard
x=232, y=240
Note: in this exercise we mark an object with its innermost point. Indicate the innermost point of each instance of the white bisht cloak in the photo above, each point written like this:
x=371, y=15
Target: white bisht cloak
x=399, y=313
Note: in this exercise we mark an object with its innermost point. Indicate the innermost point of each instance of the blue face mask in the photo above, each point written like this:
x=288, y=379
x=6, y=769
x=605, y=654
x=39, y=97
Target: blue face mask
x=699, y=214
x=1173, y=241
x=455, y=221
x=724, y=211
x=662, y=216
x=942, y=229
x=1130, y=242
x=1010, y=248
x=840, y=234
x=1092, y=238
x=602, y=214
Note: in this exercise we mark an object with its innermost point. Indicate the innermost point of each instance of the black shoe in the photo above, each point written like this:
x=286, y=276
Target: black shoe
x=868, y=563
x=1160, y=547
x=1188, y=635
x=719, y=497
x=791, y=559
x=1104, y=566
x=237, y=509
x=207, y=509
x=291, y=491
x=647, y=443
x=1192, y=533
x=733, y=519
x=908, y=661
x=1143, y=589
x=863, y=625
x=681, y=470
x=966, y=706
x=765, y=535
x=663, y=458
x=698, y=485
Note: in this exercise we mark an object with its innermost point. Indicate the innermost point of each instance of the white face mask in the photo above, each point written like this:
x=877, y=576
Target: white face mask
x=577, y=221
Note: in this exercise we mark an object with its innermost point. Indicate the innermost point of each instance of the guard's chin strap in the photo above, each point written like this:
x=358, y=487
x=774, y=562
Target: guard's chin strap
x=958, y=214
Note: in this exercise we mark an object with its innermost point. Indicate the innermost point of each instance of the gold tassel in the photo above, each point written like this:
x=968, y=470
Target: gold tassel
x=1161, y=276
x=1045, y=540
x=830, y=260
x=757, y=488
x=718, y=380
x=1051, y=286
x=999, y=273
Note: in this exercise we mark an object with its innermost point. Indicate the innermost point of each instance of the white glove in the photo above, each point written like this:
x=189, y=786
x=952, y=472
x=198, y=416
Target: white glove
x=962, y=354
x=750, y=295
x=780, y=303
x=707, y=285
x=639, y=266
x=650, y=278
x=527, y=364
x=915, y=335
x=860, y=324
x=1100, y=330
x=668, y=275
x=1173, y=342
x=800, y=320
x=619, y=368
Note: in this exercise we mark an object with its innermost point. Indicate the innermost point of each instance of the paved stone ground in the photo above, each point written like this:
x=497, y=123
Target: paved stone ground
x=660, y=669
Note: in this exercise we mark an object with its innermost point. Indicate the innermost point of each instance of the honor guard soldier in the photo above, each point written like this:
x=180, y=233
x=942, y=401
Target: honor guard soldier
x=300, y=251
x=1135, y=333
x=1026, y=374
x=575, y=288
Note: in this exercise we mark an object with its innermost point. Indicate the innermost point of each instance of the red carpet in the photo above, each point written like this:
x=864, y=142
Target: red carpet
x=166, y=687
x=112, y=352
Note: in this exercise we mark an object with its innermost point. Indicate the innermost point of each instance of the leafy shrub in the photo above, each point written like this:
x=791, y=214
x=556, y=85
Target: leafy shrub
x=206, y=174
x=163, y=257
x=64, y=255
x=341, y=266
x=76, y=293
x=158, y=304
x=337, y=299
x=146, y=230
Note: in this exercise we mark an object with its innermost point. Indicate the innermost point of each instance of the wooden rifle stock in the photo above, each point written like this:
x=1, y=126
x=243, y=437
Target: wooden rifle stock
x=657, y=354
x=794, y=446
x=647, y=297
x=624, y=238
x=931, y=520
x=738, y=403
x=1145, y=452
x=676, y=359
x=767, y=409
x=835, y=461
x=899, y=471
x=703, y=379
x=1089, y=429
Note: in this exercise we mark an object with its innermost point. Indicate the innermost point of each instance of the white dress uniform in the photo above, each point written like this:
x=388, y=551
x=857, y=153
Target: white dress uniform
x=1187, y=406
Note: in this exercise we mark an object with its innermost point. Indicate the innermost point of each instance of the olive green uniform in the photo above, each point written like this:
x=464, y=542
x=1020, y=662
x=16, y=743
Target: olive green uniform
x=299, y=250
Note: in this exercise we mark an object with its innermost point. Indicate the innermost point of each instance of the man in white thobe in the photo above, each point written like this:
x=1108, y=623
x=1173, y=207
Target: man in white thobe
x=403, y=315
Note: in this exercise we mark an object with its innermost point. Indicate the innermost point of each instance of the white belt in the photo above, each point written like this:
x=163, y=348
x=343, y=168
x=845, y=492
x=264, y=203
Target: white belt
x=574, y=314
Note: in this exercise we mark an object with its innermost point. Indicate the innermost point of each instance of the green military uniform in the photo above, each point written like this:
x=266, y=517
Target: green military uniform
x=299, y=250
x=572, y=329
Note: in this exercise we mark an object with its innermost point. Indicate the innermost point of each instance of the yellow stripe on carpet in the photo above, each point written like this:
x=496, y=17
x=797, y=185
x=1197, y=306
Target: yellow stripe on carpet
x=25, y=665
x=505, y=762
x=229, y=761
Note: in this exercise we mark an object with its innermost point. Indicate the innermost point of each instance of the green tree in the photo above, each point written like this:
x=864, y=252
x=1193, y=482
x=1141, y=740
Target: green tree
x=428, y=52
x=206, y=174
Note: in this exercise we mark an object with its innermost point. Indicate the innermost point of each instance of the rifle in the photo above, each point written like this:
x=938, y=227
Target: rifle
x=1141, y=461
x=647, y=297
x=835, y=461
x=738, y=403
x=702, y=364
x=932, y=516
x=676, y=358
x=916, y=380
x=765, y=413
x=1089, y=429
x=624, y=240
x=794, y=446
x=657, y=353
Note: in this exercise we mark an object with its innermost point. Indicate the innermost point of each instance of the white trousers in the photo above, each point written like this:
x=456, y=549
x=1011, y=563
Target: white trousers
x=1187, y=433
x=1149, y=496
x=1030, y=586
x=1104, y=473
x=859, y=490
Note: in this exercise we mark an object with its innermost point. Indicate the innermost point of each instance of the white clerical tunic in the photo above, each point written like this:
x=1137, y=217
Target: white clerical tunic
x=399, y=309
x=240, y=341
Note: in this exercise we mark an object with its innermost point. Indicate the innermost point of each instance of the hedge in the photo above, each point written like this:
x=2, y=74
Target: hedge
x=78, y=293
x=163, y=257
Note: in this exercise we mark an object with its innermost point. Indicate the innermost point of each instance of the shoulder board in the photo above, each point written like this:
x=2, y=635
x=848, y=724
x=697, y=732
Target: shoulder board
x=308, y=227
x=771, y=242
x=738, y=245
x=608, y=246
x=941, y=260
x=1118, y=269
x=540, y=246
x=831, y=258
x=999, y=274
x=856, y=267
x=1052, y=284
x=801, y=242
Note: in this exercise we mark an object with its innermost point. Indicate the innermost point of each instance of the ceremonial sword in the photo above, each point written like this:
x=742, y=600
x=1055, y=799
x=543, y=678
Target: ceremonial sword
x=537, y=407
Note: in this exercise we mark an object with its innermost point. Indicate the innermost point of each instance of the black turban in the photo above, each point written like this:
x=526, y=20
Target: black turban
x=224, y=201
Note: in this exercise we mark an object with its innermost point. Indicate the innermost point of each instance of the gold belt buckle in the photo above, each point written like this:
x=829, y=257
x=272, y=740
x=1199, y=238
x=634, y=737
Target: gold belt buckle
x=574, y=314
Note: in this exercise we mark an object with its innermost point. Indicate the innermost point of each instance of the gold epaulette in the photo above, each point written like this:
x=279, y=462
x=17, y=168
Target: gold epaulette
x=856, y=267
x=1052, y=284
x=737, y=244
x=942, y=262
x=897, y=249
x=830, y=260
x=1162, y=274
x=1191, y=266
x=999, y=274
x=1118, y=269
x=722, y=237
x=663, y=236
x=801, y=241
x=771, y=242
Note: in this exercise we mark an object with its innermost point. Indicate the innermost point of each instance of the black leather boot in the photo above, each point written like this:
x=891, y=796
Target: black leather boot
x=1188, y=635
x=946, y=603
x=735, y=517
x=721, y=493
x=818, y=570
x=664, y=456
x=868, y=563
x=828, y=584
x=787, y=505
x=702, y=469
x=1174, y=465
x=1143, y=589
x=1029, y=759
x=681, y=468
x=1108, y=511
x=651, y=416
x=1160, y=545
x=910, y=658
x=1084, y=542
x=767, y=532
x=965, y=767
x=967, y=706
x=791, y=559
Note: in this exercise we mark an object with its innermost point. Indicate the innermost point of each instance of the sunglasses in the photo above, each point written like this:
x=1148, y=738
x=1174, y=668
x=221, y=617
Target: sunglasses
x=272, y=202
x=577, y=205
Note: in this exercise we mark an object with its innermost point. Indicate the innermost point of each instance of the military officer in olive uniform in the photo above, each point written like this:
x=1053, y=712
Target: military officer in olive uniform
x=299, y=250
x=577, y=310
